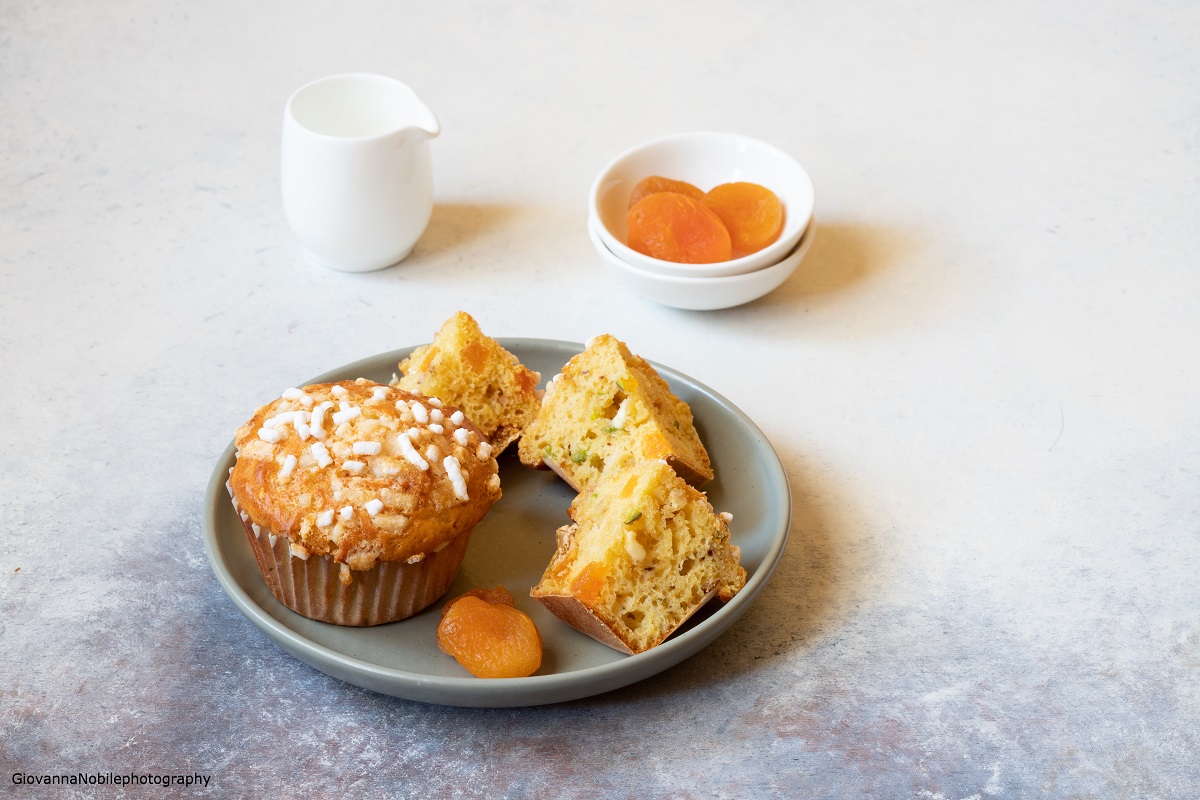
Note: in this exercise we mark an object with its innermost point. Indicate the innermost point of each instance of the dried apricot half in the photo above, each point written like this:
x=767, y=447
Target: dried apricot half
x=674, y=227
x=657, y=183
x=488, y=636
x=589, y=583
x=752, y=214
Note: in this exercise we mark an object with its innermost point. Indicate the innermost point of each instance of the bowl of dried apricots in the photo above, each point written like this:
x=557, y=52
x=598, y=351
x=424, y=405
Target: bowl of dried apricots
x=702, y=204
x=704, y=294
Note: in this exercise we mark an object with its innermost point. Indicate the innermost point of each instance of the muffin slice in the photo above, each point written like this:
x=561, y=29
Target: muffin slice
x=646, y=551
x=608, y=403
x=467, y=369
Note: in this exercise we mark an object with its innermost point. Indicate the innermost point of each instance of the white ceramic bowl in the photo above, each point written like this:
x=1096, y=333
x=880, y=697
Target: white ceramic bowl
x=704, y=294
x=704, y=159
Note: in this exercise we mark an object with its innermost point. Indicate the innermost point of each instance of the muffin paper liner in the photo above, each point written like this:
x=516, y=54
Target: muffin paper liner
x=388, y=592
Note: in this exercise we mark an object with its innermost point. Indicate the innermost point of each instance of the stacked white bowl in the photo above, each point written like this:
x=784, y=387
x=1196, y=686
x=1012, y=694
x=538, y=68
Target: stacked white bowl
x=704, y=159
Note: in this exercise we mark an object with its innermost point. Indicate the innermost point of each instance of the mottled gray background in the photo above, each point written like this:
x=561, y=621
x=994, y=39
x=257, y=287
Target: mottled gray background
x=982, y=383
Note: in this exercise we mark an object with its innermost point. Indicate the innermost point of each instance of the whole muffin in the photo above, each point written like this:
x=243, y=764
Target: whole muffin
x=359, y=499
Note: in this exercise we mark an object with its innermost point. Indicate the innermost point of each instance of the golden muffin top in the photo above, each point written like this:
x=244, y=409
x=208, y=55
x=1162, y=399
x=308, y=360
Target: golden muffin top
x=362, y=472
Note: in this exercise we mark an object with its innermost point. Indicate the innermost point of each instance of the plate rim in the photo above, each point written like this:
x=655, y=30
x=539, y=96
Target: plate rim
x=499, y=692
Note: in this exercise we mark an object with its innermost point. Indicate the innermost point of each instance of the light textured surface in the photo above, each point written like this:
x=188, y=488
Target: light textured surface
x=983, y=383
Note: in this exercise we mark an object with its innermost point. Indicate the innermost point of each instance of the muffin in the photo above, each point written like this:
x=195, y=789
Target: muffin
x=465, y=367
x=645, y=553
x=606, y=404
x=359, y=499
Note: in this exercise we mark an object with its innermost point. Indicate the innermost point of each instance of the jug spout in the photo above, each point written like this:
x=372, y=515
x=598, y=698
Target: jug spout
x=425, y=124
x=358, y=105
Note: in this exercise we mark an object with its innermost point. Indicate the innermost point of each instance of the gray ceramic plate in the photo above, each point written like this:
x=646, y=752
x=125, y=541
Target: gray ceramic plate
x=512, y=546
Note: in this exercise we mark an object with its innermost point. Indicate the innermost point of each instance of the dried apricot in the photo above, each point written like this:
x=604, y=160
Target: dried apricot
x=657, y=183
x=674, y=227
x=488, y=636
x=497, y=597
x=589, y=583
x=752, y=214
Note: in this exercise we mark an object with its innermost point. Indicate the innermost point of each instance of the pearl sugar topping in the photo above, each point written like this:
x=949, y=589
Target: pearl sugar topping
x=321, y=454
x=311, y=424
x=404, y=442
